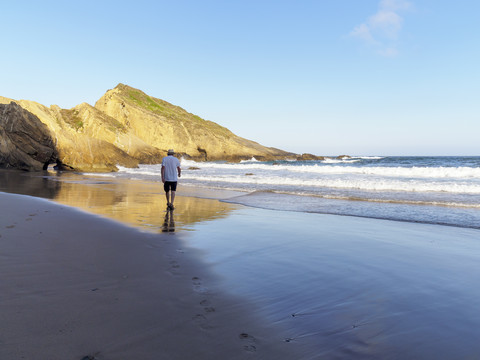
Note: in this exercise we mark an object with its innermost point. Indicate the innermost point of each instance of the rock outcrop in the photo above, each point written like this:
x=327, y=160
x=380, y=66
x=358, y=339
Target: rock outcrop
x=88, y=140
x=165, y=126
x=25, y=142
x=127, y=127
x=307, y=157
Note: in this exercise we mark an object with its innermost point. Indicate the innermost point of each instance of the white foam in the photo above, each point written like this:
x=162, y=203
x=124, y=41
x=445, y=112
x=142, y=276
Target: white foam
x=369, y=184
x=142, y=170
x=101, y=174
x=339, y=161
x=368, y=157
x=319, y=177
x=248, y=161
x=407, y=172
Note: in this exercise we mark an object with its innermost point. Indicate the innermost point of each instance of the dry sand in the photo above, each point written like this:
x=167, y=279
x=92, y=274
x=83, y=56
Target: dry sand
x=78, y=286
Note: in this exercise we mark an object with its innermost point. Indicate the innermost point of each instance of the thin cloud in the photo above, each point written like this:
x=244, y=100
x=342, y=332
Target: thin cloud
x=386, y=24
x=381, y=30
x=363, y=33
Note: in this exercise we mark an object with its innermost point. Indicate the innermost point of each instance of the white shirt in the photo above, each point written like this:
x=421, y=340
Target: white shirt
x=171, y=163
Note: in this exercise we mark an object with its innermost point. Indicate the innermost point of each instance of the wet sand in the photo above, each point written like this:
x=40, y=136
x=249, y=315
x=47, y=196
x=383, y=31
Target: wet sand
x=217, y=280
x=78, y=286
x=353, y=288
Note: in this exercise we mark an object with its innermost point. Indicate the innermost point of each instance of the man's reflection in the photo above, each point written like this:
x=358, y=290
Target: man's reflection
x=168, y=223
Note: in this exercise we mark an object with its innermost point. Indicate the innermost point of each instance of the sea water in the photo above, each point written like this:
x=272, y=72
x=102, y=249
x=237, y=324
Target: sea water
x=438, y=190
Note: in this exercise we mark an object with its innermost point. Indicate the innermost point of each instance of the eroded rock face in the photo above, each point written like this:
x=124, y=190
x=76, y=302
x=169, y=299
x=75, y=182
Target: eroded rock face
x=163, y=126
x=25, y=142
x=85, y=138
x=125, y=127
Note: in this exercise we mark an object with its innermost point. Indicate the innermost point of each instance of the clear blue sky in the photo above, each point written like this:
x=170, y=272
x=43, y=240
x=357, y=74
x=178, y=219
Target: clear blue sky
x=330, y=77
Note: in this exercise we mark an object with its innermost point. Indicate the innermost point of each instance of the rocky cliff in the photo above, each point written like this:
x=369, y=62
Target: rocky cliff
x=25, y=142
x=165, y=126
x=127, y=127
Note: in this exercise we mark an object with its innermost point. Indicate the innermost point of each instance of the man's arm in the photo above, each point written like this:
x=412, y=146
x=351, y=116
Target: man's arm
x=179, y=170
x=163, y=174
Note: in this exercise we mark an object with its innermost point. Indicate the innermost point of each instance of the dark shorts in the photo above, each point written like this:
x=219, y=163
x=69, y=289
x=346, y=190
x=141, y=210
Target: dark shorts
x=170, y=185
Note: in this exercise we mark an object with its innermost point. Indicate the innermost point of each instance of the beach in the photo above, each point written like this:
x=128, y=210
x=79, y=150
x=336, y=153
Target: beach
x=354, y=288
x=104, y=272
x=78, y=286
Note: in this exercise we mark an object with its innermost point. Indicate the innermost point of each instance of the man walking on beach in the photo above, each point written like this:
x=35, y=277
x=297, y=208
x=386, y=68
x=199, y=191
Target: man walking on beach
x=171, y=171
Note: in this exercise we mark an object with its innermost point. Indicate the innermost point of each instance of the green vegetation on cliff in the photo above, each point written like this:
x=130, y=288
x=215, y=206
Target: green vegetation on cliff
x=167, y=110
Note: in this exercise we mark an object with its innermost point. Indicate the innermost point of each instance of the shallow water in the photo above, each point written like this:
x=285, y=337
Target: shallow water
x=440, y=190
x=137, y=203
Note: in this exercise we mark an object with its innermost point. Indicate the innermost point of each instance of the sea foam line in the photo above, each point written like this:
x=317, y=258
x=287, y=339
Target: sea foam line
x=406, y=172
x=339, y=183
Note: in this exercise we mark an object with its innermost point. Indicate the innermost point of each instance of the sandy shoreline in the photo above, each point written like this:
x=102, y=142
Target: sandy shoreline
x=76, y=285
x=220, y=280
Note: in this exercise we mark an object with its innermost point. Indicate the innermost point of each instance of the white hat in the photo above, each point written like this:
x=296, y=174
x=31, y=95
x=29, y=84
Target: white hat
x=170, y=152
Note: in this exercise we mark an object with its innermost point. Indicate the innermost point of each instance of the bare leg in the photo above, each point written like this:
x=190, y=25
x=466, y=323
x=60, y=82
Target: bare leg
x=173, y=198
x=167, y=195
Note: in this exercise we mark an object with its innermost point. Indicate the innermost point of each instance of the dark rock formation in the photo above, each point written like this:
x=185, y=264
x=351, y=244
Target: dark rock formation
x=25, y=142
x=309, y=157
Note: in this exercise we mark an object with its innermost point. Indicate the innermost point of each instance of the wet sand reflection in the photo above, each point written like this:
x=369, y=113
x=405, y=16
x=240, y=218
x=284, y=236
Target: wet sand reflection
x=134, y=202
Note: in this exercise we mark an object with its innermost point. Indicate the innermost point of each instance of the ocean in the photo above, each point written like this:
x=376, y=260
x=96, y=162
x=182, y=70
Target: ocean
x=435, y=190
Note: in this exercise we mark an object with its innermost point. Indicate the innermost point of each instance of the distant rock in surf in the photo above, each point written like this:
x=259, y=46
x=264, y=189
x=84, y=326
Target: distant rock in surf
x=309, y=157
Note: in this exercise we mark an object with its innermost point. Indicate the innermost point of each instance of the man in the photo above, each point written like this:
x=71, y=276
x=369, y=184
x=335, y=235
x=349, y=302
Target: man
x=171, y=171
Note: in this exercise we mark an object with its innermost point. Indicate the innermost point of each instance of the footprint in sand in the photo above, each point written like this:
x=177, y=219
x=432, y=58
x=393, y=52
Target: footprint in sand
x=90, y=357
x=202, y=321
x=207, y=307
x=174, y=267
x=198, y=287
x=10, y=226
x=28, y=219
x=199, y=319
x=249, y=342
